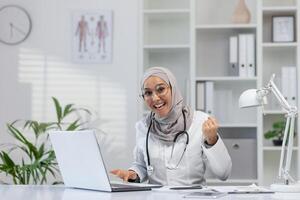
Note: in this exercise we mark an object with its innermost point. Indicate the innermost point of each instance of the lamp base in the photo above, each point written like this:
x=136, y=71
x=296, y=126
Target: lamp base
x=277, y=187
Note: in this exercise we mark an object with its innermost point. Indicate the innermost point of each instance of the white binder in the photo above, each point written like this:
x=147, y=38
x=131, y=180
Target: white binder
x=242, y=55
x=200, y=96
x=289, y=84
x=293, y=86
x=250, y=52
x=285, y=82
x=209, y=97
x=233, y=56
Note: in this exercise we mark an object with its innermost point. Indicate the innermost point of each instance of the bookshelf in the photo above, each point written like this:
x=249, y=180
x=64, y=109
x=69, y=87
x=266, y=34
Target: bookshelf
x=191, y=38
x=273, y=56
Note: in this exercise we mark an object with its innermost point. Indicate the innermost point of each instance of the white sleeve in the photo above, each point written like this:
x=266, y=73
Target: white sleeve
x=218, y=159
x=139, y=164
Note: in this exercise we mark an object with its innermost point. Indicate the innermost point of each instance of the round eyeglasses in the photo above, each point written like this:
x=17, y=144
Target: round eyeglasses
x=160, y=90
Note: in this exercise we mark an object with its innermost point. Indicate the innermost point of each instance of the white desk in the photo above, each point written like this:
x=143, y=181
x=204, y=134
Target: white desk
x=18, y=192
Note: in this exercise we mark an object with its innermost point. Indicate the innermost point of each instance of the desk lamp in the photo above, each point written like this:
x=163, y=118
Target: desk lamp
x=258, y=97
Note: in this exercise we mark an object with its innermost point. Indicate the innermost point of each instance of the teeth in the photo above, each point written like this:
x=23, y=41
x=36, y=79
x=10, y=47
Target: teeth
x=159, y=105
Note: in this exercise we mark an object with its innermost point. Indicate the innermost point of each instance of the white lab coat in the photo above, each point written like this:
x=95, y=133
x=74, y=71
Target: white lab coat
x=192, y=167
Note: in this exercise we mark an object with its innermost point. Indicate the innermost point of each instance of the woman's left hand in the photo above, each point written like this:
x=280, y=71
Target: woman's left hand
x=210, y=129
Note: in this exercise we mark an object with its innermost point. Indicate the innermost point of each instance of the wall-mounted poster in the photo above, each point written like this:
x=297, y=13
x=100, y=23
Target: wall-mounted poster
x=92, y=37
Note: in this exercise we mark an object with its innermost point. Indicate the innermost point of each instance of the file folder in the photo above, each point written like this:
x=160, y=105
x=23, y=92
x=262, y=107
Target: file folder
x=250, y=55
x=242, y=55
x=209, y=97
x=233, y=56
x=293, y=86
x=200, y=96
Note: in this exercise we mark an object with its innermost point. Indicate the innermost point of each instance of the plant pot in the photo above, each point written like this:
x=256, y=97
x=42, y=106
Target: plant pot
x=277, y=142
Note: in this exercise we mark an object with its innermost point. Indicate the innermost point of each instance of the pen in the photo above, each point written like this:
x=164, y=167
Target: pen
x=186, y=188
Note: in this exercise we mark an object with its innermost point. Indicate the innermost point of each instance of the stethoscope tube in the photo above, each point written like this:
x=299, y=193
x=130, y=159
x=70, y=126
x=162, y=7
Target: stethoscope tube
x=149, y=166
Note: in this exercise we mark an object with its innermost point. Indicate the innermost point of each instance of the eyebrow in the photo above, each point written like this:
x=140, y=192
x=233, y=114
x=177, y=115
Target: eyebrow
x=155, y=86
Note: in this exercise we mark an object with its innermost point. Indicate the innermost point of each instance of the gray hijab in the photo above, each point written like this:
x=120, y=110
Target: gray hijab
x=165, y=128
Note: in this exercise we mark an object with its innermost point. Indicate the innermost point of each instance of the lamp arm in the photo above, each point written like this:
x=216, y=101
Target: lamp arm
x=282, y=155
x=286, y=152
x=279, y=96
x=290, y=146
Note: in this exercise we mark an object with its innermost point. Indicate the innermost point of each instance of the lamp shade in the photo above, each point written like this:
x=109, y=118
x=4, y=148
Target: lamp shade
x=250, y=98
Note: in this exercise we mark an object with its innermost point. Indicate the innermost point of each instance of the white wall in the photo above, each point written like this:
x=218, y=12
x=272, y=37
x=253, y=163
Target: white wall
x=41, y=67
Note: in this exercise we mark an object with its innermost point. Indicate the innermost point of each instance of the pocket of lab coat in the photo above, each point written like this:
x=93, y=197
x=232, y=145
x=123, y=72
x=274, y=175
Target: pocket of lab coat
x=196, y=162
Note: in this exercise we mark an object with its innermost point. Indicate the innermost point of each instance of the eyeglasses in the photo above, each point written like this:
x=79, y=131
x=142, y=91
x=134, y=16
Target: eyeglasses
x=160, y=90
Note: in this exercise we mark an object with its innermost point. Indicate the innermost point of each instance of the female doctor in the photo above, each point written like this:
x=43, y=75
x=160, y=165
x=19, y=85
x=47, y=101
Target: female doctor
x=174, y=144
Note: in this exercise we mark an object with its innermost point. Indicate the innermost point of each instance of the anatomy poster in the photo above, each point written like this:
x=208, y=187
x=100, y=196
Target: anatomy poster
x=92, y=37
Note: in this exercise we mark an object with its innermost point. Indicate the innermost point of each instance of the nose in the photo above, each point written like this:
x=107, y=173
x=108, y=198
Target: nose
x=155, y=96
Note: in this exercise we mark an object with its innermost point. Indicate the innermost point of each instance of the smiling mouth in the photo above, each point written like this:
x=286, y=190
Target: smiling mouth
x=159, y=106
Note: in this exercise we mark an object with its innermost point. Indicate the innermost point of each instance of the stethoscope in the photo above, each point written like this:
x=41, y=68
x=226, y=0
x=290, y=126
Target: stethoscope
x=150, y=168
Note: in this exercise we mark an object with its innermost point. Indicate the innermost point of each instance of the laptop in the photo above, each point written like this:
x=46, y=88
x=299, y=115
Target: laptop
x=81, y=163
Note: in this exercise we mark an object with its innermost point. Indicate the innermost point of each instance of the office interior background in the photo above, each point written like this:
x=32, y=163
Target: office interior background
x=191, y=37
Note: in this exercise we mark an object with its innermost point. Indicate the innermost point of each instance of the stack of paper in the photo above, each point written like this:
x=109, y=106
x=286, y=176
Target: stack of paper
x=251, y=189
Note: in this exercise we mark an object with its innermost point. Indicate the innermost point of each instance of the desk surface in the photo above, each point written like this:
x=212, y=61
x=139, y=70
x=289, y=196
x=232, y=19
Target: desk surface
x=18, y=192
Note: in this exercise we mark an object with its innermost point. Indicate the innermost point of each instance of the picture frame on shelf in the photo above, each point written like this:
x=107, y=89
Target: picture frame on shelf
x=283, y=28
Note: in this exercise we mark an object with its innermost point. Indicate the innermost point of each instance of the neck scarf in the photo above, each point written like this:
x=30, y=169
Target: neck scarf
x=165, y=128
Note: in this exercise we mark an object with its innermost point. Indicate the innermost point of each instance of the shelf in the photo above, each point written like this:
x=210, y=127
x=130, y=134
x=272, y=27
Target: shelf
x=164, y=27
x=224, y=78
x=227, y=26
x=277, y=9
x=228, y=181
x=272, y=148
x=283, y=44
x=274, y=112
x=165, y=4
x=240, y=125
x=166, y=11
x=167, y=47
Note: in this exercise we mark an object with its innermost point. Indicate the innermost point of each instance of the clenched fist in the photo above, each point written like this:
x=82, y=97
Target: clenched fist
x=124, y=174
x=210, y=129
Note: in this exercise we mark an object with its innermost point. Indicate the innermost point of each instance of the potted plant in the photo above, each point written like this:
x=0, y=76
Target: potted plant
x=38, y=159
x=276, y=133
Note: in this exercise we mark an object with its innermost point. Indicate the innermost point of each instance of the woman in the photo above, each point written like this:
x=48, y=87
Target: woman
x=174, y=144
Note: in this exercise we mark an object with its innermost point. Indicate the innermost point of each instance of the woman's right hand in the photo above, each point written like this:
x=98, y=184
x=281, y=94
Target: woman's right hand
x=124, y=174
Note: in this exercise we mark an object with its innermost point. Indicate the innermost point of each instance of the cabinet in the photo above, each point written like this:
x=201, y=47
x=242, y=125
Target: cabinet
x=191, y=38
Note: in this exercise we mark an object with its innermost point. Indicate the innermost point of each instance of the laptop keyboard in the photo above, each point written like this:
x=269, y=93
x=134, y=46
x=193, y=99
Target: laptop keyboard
x=115, y=185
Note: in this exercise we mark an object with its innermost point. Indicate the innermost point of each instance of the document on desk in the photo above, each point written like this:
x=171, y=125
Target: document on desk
x=250, y=189
x=178, y=188
x=205, y=195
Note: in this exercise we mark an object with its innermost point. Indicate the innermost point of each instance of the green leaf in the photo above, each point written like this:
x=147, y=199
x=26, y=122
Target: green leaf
x=68, y=109
x=73, y=126
x=7, y=160
x=16, y=133
x=58, y=109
